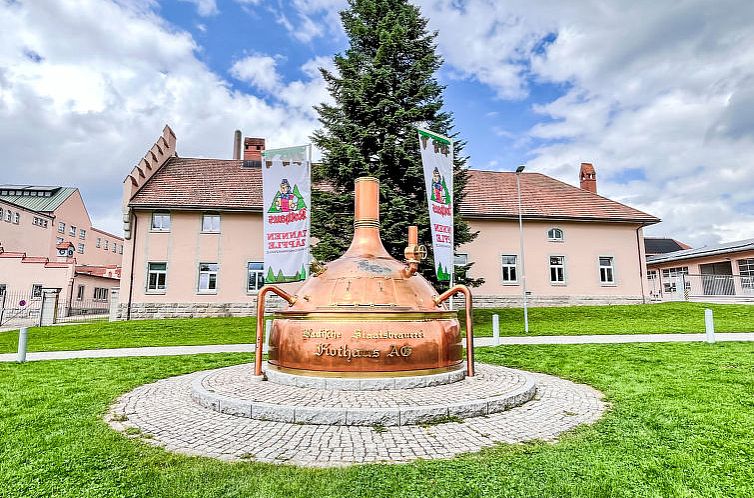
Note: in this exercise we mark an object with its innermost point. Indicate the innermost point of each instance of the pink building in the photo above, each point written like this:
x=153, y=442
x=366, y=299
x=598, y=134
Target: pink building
x=194, y=237
x=719, y=273
x=36, y=219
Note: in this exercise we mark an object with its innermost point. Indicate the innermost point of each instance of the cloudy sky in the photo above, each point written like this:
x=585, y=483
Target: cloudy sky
x=658, y=95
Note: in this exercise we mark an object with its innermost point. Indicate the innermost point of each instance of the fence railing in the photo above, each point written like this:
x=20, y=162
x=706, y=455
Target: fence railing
x=82, y=310
x=702, y=287
x=20, y=309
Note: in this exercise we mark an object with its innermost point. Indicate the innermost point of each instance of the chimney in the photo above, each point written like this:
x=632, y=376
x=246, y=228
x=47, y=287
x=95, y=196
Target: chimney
x=237, y=145
x=588, y=178
x=252, y=149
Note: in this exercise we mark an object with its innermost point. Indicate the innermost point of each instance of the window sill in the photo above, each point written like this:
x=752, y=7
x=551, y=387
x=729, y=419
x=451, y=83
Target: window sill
x=558, y=284
x=156, y=292
x=154, y=230
x=556, y=240
x=210, y=233
x=252, y=293
x=608, y=284
x=206, y=292
x=510, y=284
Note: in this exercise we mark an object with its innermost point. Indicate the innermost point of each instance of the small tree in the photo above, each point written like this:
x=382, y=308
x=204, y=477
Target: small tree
x=385, y=84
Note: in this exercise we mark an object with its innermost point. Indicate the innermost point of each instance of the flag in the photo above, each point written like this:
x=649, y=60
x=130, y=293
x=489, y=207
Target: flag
x=437, y=160
x=287, y=194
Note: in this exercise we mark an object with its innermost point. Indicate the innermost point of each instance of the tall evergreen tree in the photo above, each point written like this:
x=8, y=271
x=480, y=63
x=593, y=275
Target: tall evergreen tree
x=385, y=83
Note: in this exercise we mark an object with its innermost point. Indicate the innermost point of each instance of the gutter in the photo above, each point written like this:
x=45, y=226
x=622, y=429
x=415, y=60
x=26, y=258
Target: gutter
x=131, y=277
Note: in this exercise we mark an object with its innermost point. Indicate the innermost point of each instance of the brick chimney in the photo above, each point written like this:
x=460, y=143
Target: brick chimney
x=588, y=178
x=252, y=149
x=237, y=145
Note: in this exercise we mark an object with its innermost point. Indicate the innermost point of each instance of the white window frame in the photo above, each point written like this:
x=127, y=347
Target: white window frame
x=552, y=266
x=72, y=231
x=80, y=248
x=99, y=242
x=36, y=291
x=101, y=293
x=554, y=230
x=158, y=221
x=59, y=240
x=508, y=266
x=120, y=249
x=16, y=218
x=209, y=272
x=8, y=216
x=82, y=234
x=258, y=277
x=114, y=247
x=61, y=227
x=746, y=271
x=164, y=272
x=80, y=293
x=106, y=244
x=212, y=228
x=605, y=271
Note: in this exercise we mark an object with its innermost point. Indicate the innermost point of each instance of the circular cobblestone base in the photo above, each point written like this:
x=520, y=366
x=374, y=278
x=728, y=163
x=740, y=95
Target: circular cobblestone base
x=164, y=414
x=236, y=391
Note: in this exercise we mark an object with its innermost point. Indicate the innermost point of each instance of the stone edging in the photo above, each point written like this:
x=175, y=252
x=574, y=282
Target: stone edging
x=344, y=415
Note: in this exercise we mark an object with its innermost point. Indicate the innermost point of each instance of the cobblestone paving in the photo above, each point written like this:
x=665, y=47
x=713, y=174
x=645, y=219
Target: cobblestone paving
x=164, y=414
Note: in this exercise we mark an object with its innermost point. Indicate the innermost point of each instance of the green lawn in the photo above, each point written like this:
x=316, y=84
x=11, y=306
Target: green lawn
x=574, y=320
x=681, y=423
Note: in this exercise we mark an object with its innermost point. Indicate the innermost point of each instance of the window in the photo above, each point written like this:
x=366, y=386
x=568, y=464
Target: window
x=59, y=240
x=61, y=227
x=115, y=247
x=82, y=234
x=72, y=231
x=1, y=213
x=16, y=218
x=461, y=259
x=746, y=270
x=156, y=276
x=211, y=223
x=509, y=269
x=2, y=289
x=8, y=216
x=100, y=293
x=255, y=276
x=557, y=269
x=607, y=270
x=160, y=222
x=99, y=242
x=208, y=277
x=80, y=293
x=36, y=290
x=120, y=249
x=669, y=276
x=555, y=235
x=81, y=248
x=105, y=246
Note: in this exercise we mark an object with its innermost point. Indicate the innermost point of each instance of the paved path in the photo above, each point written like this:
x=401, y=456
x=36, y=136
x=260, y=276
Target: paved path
x=164, y=414
x=480, y=341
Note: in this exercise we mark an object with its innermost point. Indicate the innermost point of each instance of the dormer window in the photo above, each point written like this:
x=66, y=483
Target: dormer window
x=555, y=235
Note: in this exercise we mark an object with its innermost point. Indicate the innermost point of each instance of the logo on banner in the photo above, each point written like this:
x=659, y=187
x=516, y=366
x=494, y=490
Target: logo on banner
x=288, y=201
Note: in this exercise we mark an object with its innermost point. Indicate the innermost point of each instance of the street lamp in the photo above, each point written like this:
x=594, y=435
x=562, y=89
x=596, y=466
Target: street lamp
x=520, y=170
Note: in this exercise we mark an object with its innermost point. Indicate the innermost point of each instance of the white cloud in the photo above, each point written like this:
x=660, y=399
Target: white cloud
x=257, y=70
x=204, y=8
x=662, y=90
x=85, y=111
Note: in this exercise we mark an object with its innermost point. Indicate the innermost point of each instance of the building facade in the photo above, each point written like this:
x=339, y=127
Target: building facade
x=35, y=219
x=194, y=237
x=719, y=273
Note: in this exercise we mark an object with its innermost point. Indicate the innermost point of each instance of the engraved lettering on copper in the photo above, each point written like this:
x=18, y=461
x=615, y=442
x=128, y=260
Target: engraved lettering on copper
x=321, y=334
x=387, y=334
x=403, y=351
x=346, y=352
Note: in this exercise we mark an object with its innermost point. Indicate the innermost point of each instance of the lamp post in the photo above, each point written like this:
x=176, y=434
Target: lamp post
x=520, y=170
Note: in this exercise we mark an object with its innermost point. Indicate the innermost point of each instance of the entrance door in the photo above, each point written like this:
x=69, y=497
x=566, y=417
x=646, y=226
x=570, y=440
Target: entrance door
x=717, y=279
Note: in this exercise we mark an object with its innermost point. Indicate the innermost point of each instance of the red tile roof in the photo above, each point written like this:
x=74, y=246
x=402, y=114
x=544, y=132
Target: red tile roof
x=493, y=194
x=191, y=183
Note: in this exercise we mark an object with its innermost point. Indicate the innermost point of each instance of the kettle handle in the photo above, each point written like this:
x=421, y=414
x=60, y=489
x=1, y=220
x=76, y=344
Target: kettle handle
x=462, y=289
x=260, y=321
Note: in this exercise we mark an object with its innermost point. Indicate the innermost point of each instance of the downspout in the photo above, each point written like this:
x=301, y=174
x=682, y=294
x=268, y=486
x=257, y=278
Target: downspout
x=131, y=277
x=642, y=276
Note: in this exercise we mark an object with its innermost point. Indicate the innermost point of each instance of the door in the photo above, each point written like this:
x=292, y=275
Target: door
x=717, y=279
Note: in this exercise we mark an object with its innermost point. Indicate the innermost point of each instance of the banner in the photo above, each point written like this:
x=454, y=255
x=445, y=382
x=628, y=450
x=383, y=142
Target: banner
x=286, y=190
x=437, y=159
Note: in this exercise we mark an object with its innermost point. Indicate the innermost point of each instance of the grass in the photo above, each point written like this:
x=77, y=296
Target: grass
x=681, y=423
x=574, y=320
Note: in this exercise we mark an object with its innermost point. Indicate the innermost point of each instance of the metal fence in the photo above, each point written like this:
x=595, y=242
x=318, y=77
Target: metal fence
x=82, y=310
x=20, y=309
x=705, y=287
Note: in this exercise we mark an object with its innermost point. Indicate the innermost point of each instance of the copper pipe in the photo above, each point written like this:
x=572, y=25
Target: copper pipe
x=469, y=323
x=412, y=252
x=366, y=221
x=260, y=321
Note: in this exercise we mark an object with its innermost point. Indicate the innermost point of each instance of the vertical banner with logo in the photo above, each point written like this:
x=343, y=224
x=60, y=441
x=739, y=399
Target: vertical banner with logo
x=437, y=159
x=286, y=187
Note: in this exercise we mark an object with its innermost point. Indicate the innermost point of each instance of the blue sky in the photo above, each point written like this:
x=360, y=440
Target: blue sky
x=658, y=95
